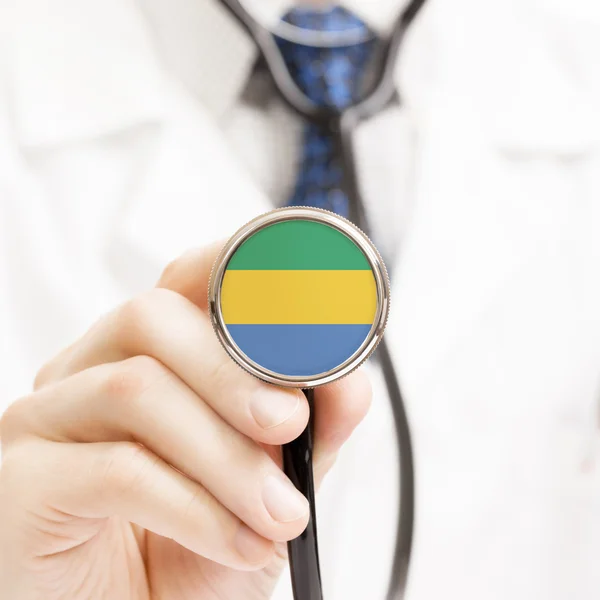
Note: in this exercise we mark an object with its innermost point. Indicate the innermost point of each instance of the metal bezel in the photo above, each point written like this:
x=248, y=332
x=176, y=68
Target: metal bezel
x=320, y=216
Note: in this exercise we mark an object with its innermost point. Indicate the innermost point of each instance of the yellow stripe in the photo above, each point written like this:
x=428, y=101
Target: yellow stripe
x=303, y=297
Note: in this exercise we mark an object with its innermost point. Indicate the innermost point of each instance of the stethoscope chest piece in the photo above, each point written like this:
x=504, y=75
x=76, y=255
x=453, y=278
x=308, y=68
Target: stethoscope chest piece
x=299, y=297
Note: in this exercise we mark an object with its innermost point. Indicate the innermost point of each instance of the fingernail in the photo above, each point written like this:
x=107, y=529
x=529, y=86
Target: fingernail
x=251, y=546
x=283, y=501
x=273, y=407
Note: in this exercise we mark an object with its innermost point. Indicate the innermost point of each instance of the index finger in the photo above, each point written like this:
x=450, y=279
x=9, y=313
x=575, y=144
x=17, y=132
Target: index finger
x=188, y=275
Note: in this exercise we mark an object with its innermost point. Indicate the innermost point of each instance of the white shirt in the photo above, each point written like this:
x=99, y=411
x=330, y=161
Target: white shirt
x=128, y=133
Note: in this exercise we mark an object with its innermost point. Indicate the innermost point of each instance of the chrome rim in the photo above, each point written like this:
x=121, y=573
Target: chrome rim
x=307, y=214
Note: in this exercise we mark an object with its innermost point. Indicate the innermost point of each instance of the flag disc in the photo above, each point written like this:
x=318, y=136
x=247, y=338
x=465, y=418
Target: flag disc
x=299, y=297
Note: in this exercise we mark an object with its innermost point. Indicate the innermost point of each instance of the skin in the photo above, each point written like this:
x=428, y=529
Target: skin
x=146, y=464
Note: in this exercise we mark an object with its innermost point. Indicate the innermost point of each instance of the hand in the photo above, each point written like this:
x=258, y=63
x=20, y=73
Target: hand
x=146, y=463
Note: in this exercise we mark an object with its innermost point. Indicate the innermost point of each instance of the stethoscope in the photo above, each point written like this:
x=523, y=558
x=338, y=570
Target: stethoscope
x=305, y=572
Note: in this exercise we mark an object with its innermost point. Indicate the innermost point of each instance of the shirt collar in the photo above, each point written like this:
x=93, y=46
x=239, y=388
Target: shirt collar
x=80, y=69
x=378, y=14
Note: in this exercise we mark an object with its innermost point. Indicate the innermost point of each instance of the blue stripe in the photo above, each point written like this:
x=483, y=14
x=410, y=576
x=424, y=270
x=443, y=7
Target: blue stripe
x=299, y=350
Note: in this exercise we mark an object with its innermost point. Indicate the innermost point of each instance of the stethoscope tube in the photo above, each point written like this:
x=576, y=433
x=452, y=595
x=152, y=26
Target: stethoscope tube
x=376, y=99
x=297, y=456
x=406, y=476
x=303, y=551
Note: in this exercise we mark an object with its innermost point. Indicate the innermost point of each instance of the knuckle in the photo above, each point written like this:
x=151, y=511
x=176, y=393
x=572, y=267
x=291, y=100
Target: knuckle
x=129, y=380
x=198, y=503
x=134, y=322
x=221, y=375
x=126, y=467
x=144, y=365
x=44, y=374
x=174, y=274
x=231, y=381
x=137, y=319
x=12, y=419
x=171, y=271
x=162, y=296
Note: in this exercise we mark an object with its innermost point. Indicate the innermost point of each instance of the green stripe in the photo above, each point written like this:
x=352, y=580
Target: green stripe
x=298, y=245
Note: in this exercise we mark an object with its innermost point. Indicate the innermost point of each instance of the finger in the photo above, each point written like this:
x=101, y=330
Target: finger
x=96, y=481
x=171, y=329
x=188, y=275
x=142, y=401
x=339, y=408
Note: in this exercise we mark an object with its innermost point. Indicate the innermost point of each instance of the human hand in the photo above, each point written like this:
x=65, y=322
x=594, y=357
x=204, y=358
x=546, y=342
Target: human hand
x=146, y=463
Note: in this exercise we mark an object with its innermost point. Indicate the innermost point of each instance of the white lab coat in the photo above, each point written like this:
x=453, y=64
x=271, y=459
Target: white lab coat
x=127, y=135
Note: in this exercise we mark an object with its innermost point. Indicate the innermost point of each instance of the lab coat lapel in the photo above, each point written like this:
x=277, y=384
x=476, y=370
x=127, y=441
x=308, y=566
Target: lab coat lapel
x=207, y=49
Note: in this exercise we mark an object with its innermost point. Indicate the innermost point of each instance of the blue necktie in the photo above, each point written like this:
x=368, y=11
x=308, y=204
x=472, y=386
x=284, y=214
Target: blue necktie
x=330, y=77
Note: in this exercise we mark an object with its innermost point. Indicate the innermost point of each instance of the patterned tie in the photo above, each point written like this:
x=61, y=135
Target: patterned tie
x=330, y=77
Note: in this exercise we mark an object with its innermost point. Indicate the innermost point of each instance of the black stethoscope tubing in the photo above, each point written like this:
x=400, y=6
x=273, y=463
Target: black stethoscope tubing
x=297, y=456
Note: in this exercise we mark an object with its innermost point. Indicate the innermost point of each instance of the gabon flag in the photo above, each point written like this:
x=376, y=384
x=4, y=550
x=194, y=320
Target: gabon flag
x=298, y=297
